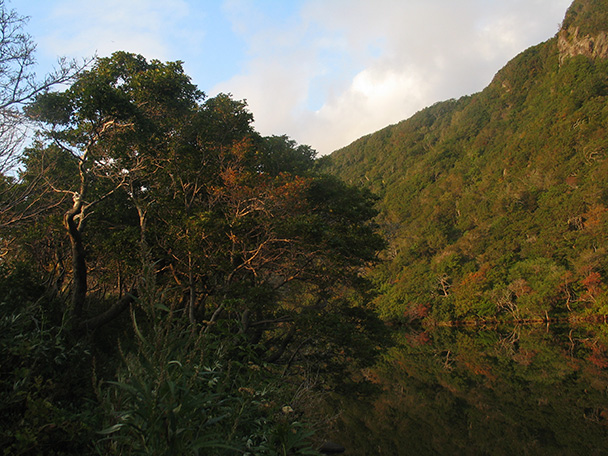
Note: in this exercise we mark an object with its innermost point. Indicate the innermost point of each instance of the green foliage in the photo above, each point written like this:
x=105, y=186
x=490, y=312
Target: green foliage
x=490, y=202
x=588, y=15
x=178, y=390
x=44, y=376
x=282, y=155
x=182, y=392
x=242, y=262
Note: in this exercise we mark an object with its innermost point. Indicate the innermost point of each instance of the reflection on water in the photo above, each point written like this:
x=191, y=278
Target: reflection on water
x=515, y=391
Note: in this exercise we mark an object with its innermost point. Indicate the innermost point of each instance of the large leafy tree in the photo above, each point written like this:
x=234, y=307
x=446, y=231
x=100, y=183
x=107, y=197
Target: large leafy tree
x=249, y=233
x=112, y=123
x=237, y=230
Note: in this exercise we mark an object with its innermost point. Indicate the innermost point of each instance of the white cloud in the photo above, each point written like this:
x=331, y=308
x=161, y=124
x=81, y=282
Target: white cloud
x=324, y=72
x=377, y=62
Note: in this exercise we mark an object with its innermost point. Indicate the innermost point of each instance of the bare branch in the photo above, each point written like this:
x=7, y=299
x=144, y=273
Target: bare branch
x=19, y=85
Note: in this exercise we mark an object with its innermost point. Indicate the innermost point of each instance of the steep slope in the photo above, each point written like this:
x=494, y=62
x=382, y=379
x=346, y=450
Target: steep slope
x=497, y=203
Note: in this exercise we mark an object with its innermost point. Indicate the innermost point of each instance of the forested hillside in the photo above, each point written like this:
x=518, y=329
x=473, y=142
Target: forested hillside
x=496, y=205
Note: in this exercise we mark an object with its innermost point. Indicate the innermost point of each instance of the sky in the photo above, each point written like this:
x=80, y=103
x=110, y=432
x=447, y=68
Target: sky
x=323, y=72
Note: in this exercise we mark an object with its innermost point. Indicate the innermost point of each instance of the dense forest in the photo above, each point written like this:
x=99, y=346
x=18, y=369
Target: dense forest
x=495, y=205
x=171, y=282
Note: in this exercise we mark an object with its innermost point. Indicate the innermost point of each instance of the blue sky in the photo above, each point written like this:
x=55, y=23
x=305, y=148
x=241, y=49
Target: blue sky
x=324, y=72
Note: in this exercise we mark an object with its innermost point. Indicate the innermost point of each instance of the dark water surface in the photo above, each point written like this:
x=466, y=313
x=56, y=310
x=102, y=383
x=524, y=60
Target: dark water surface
x=532, y=390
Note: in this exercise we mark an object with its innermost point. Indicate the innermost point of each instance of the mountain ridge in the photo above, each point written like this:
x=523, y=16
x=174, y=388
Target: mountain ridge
x=495, y=204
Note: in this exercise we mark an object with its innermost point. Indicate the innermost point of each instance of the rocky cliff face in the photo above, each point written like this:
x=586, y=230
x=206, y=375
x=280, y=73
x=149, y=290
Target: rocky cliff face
x=570, y=43
x=584, y=30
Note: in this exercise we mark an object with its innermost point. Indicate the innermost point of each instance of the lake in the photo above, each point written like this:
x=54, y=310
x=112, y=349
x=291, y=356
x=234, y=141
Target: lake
x=527, y=390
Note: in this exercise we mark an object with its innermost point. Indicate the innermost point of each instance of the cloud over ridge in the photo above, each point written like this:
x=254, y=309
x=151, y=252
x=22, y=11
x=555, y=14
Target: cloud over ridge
x=325, y=72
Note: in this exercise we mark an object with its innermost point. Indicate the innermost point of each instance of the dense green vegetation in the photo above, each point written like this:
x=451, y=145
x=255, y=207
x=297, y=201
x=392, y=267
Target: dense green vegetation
x=589, y=16
x=171, y=282
x=496, y=205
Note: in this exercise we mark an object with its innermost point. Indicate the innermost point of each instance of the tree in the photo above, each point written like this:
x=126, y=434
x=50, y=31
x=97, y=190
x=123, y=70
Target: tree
x=112, y=122
x=279, y=154
x=238, y=231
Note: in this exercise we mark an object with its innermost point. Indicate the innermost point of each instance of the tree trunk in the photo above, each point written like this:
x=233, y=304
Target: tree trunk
x=79, y=265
